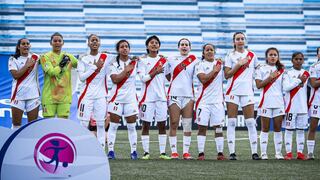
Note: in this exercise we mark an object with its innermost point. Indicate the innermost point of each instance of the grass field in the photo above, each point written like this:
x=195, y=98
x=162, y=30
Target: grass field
x=244, y=168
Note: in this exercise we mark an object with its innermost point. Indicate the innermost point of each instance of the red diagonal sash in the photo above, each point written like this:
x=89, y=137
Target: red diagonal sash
x=312, y=97
x=267, y=87
x=240, y=71
x=120, y=84
x=180, y=67
x=160, y=62
x=102, y=57
x=23, y=77
x=205, y=85
x=294, y=91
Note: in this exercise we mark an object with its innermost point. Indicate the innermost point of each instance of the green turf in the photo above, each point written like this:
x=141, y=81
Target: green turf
x=243, y=168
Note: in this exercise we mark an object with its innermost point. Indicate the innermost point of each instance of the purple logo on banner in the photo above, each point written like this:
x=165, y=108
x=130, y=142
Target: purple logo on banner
x=54, y=152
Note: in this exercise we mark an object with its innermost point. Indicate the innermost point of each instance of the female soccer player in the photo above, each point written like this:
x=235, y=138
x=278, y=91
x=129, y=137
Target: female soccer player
x=314, y=105
x=23, y=66
x=239, y=68
x=152, y=102
x=296, y=107
x=269, y=78
x=122, y=99
x=56, y=92
x=209, y=104
x=181, y=96
x=92, y=71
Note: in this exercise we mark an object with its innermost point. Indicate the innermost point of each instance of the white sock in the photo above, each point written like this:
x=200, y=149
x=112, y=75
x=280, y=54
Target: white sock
x=201, y=143
x=173, y=143
x=145, y=139
x=132, y=135
x=300, y=140
x=288, y=140
x=101, y=133
x=219, y=144
x=186, y=144
x=231, y=134
x=264, y=142
x=277, y=138
x=253, y=135
x=310, y=145
x=112, y=133
x=84, y=123
x=162, y=143
x=13, y=127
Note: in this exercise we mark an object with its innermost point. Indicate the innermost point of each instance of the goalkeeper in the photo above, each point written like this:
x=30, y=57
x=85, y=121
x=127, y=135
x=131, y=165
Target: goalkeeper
x=56, y=92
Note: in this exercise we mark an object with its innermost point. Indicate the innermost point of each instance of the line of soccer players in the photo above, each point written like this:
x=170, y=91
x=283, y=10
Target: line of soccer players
x=283, y=94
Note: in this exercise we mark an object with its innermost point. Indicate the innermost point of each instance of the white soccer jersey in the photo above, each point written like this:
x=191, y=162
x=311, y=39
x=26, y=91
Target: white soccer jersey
x=156, y=89
x=299, y=100
x=273, y=97
x=182, y=85
x=315, y=93
x=27, y=86
x=214, y=92
x=123, y=92
x=97, y=88
x=243, y=84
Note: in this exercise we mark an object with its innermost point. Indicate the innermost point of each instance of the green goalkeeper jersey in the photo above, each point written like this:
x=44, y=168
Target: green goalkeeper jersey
x=57, y=81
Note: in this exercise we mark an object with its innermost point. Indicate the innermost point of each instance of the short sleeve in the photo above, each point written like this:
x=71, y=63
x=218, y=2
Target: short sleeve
x=199, y=68
x=313, y=72
x=258, y=73
x=113, y=69
x=255, y=61
x=228, y=61
x=12, y=64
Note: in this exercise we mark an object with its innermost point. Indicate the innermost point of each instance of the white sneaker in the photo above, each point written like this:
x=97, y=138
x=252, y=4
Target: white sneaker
x=264, y=156
x=279, y=156
x=310, y=156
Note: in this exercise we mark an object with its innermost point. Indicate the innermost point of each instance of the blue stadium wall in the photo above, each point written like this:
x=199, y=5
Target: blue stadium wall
x=289, y=25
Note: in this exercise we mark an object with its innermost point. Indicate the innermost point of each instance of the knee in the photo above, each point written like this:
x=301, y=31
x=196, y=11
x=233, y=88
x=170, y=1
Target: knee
x=131, y=126
x=232, y=122
x=174, y=124
x=202, y=130
x=187, y=124
x=218, y=131
x=250, y=123
x=145, y=128
x=162, y=127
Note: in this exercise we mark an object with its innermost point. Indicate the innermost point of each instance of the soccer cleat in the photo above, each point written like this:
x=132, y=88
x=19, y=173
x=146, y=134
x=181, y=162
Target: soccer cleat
x=233, y=156
x=134, y=155
x=279, y=156
x=187, y=156
x=255, y=156
x=310, y=156
x=201, y=156
x=111, y=155
x=146, y=156
x=220, y=156
x=288, y=156
x=164, y=156
x=174, y=155
x=301, y=156
x=264, y=156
